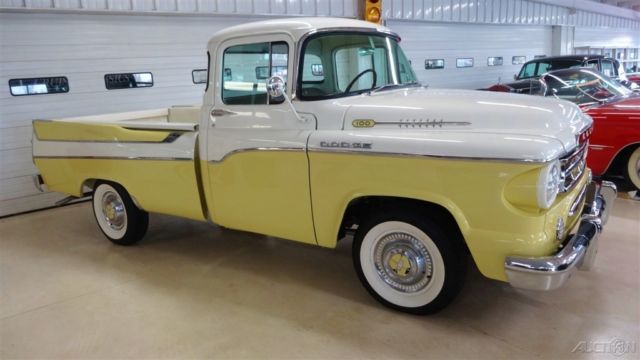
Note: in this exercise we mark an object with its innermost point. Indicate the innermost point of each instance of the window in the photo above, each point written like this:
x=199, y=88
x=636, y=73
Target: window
x=537, y=68
x=494, y=61
x=39, y=86
x=543, y=68
x=128, y=80
x=527, y=71
x=607, y=68
x=262, y=72
x=343, y=64
x=464, y=62
x=431, y=64
x=518, y=60
x=352, y=61
x=246, y=69
x=199, y=76
x=312, y=70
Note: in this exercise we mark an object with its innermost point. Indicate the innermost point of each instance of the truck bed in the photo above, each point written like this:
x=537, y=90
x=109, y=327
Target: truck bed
x=151, y=153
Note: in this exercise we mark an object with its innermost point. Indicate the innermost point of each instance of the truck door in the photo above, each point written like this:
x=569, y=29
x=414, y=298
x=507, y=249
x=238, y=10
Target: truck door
x=256, y=147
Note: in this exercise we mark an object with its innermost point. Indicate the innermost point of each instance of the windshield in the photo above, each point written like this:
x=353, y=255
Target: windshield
x=581, y=86
x=537, y=68
x=343, y=64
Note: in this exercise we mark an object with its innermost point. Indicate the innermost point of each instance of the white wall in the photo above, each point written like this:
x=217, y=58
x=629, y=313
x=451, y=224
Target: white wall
x=443, y=41
x=607, y=37
x=84, y=48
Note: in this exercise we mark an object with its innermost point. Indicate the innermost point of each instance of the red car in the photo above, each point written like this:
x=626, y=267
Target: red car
x=634, y=78
x=614, y=145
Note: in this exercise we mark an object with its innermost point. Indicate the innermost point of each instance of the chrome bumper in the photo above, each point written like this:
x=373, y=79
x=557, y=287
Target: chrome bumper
x=551, y=272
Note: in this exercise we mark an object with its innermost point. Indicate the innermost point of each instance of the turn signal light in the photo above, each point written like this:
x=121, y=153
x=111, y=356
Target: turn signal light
x=373, y=11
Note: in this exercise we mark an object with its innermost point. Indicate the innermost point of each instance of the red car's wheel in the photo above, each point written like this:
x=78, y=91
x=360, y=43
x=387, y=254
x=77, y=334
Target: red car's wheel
x=633, y=168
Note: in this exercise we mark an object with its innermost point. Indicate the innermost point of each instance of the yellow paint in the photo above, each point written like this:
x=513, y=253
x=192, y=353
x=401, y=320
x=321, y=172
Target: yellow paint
x=71, y=131
x=472, y=191
x=167, y=187
x=400, y=264
x=266, y=192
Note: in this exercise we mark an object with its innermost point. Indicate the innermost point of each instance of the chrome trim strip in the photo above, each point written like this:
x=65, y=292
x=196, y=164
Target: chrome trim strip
x=391, y=154
x=599, y=147
x=578, y=200
x=117, y=158
x=171, y=137
x=422, y=123
x=237, y=151
x=569, y=163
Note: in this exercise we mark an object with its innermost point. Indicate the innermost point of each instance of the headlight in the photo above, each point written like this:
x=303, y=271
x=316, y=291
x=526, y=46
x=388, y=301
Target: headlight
x=548, y=184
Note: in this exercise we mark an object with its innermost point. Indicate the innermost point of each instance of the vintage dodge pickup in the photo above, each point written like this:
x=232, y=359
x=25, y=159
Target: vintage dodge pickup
x=312, y=129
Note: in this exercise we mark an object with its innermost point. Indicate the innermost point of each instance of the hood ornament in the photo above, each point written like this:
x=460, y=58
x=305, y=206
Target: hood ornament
x=409, y=123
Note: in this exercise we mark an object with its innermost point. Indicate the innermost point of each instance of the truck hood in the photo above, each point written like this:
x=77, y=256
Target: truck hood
x=475, y=116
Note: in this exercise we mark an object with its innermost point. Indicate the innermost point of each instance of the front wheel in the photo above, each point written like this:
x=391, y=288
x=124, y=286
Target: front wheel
x=408, y=263
x=633, y=168
x=120, y=220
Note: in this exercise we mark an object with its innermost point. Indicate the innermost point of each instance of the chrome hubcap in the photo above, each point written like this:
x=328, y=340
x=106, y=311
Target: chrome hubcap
x=403, y=262
x=113, y=210
x=638, y=167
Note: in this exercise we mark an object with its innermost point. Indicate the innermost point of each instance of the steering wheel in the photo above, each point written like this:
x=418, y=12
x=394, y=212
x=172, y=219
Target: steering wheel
x=375, y=77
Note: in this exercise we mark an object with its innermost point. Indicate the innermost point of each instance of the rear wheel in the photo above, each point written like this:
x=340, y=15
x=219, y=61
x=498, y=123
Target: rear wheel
x=118, y=217
x=408, y=263
x=632, y=170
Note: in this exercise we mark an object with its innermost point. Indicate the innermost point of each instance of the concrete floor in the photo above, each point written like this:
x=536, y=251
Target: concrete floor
x=194, y=290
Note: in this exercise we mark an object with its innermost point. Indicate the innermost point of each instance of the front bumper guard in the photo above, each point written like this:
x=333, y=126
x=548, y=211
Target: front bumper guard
x=551, y=272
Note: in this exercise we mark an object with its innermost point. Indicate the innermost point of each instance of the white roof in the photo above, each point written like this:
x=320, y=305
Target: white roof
x=295, y=27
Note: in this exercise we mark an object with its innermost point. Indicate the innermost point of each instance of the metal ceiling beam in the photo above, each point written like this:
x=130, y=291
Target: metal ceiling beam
x=594, y=7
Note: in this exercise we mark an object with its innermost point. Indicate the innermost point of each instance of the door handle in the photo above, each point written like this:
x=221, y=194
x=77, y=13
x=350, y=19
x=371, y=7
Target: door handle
x=221, y=112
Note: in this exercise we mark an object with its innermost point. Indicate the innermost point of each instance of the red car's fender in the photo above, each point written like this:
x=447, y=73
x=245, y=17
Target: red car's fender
x=616, y=125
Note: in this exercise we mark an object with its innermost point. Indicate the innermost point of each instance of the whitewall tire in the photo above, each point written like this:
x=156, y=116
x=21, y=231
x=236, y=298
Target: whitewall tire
x=117, y=216
x=407, y=263
x=633, y=168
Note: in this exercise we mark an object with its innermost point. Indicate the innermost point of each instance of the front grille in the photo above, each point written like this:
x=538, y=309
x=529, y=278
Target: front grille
x=572, y=167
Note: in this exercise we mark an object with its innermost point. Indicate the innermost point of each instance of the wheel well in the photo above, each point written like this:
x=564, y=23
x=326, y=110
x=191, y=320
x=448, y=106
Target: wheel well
x=359, y=208
x=616, y=168
x=88, y=183
x=616, y=171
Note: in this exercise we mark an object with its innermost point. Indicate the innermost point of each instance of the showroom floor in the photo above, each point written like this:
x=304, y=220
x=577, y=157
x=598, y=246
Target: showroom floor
x=194, y=290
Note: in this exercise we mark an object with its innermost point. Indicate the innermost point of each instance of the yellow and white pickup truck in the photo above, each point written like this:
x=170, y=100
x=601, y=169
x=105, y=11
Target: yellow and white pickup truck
x=315, y=128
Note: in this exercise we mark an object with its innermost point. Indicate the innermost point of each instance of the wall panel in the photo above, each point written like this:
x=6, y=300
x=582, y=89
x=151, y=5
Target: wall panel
x=443, y=41
x=84, y=48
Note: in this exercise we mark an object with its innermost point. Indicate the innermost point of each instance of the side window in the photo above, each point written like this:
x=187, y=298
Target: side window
x=245, y=70
x=592, y=64
x=543, y=68
x=527, y=71
x=607, y=68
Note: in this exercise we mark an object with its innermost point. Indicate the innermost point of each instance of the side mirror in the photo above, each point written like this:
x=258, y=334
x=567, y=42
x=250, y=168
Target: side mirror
x=276, y=89
x=515, y=76
x=275, y=86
